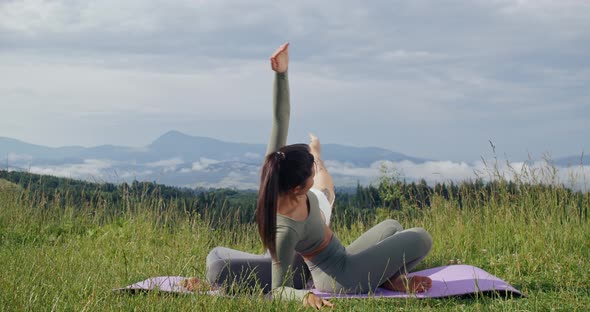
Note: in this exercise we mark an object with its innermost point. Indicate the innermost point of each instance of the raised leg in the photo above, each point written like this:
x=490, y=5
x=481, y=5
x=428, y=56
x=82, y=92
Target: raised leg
x=322, y=179
x=377, y=264
x=374, y=235
x=391, y=257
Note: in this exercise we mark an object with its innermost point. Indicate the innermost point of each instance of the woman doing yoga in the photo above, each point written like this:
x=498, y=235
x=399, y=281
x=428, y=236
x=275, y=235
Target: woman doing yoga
x=290, y=220
x=234, y=269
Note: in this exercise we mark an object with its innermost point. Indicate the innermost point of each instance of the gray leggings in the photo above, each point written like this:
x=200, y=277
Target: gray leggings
x=384, y=252
x=234, y=269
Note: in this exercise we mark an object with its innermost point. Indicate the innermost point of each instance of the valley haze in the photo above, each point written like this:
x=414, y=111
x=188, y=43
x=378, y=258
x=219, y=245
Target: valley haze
x=182, y=160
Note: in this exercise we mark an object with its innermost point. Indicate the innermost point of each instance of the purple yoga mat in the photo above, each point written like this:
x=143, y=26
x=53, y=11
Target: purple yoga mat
x=447, y=281
x=454, y=280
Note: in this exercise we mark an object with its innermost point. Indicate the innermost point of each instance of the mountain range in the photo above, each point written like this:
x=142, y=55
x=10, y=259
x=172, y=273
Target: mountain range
x=174, y=158
x=192, y=161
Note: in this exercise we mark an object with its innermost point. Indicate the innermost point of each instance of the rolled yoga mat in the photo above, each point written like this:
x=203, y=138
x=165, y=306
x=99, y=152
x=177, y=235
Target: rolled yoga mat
x=447, y=281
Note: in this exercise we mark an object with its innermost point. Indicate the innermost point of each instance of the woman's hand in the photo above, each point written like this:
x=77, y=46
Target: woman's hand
x=279, y=61
x=316, y=302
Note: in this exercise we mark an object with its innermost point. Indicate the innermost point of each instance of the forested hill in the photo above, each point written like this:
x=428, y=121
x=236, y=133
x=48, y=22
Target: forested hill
x=119, y=198
x=240, y=205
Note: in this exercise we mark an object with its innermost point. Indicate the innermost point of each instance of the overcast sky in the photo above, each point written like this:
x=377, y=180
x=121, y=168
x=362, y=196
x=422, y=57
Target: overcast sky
x=433, y=79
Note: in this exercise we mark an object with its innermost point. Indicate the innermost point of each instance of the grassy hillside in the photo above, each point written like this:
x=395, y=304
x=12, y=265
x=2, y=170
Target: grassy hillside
x=7, y=186
x=58, y=255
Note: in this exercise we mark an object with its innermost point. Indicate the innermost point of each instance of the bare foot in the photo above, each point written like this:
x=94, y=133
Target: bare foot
x=412, y=285
x=322, y=180
x=314, y=146
x=195, y=284
x=279, y=61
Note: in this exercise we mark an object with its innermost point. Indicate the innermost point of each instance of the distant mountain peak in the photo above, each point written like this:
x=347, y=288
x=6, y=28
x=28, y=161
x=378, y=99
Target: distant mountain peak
x=171, y=137
x=172, y=134
x=177, y=141
x=175, y=135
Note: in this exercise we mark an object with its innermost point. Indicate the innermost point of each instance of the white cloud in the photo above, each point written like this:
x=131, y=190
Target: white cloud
x=435, y=171
x=445, y=171
x=232, y=180
x=345, y=174
x=348, y=169
x=537, y=172
x=203, y=164
x=166, y=165
x=89, y=169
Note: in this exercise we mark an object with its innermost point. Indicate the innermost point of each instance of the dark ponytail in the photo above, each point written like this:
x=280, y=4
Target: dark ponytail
x=282, y=171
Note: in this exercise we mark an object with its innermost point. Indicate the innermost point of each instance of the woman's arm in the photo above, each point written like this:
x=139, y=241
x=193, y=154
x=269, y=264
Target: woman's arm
x=282, y=278
x=279, y=62
x=282, y=275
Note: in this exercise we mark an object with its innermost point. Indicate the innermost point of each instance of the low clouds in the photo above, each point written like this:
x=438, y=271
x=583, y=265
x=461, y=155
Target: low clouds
x=445, y=171
x=90, y=169
x=435, y=171
x=211, y=173
x=166, y=165
x=203, y=163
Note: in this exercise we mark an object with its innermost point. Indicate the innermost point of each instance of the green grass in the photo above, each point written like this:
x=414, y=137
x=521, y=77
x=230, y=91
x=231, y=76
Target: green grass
x=55, y=257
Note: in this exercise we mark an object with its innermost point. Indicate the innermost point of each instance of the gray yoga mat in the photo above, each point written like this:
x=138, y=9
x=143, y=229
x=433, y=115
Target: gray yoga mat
x=447, y=281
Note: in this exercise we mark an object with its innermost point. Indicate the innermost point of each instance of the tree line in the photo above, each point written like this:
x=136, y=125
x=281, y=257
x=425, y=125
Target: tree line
x=391, y=194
